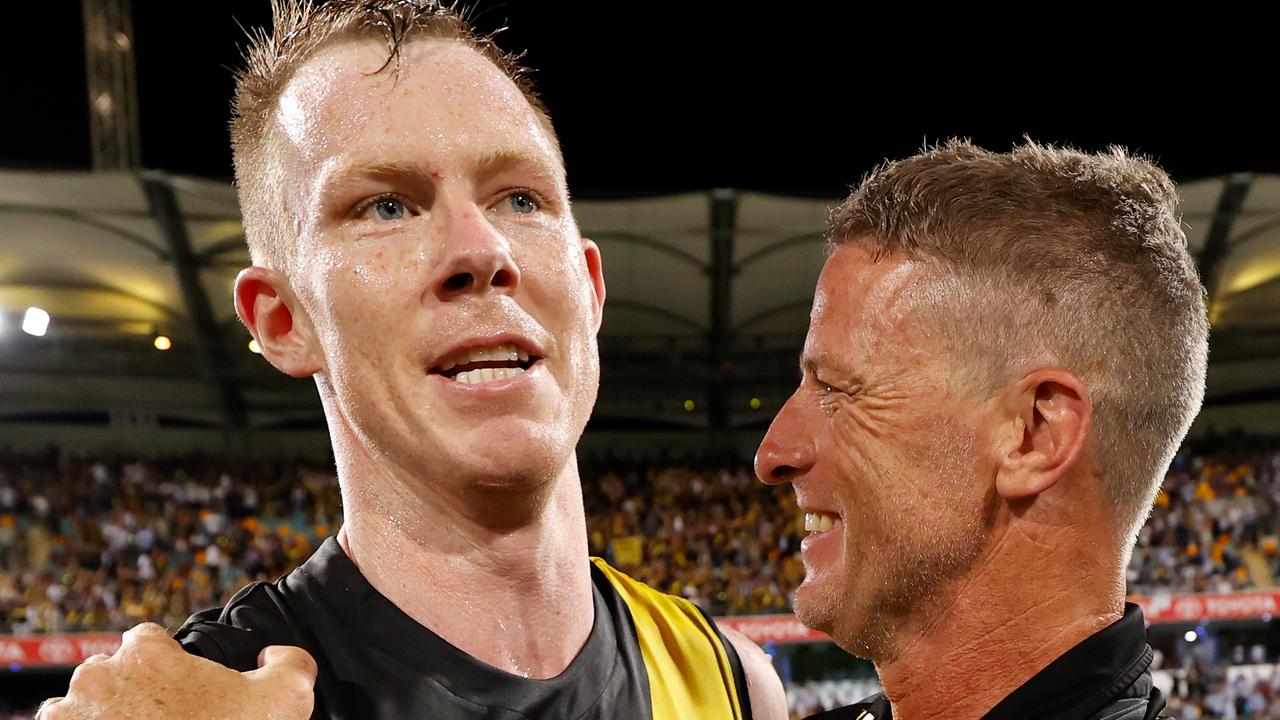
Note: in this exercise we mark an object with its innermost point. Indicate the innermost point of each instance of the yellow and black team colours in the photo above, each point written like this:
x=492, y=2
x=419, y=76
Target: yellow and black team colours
x=649, y=656
x=692, y=670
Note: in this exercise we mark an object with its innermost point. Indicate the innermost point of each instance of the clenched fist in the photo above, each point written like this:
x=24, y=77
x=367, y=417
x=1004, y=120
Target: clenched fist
x=152, y=678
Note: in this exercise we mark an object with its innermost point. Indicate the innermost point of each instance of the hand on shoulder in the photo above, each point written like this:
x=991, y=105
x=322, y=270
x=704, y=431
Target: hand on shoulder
x=151, y=677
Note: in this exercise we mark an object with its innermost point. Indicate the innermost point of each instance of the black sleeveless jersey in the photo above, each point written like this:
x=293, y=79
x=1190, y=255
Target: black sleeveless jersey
x=649, y=656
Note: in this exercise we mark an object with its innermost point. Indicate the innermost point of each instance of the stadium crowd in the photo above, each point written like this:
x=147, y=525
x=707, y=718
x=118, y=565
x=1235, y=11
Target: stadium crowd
x=100, y=545
x=1212, y=515
x=89, y=545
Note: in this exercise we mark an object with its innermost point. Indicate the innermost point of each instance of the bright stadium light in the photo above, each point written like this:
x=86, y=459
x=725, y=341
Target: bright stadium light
x=163, y=343
x=35, y=322
x=1190, y=636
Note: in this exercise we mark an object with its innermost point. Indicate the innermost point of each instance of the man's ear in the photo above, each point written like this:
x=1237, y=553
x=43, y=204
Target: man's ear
x=1045, y=421
x=595, y=273
x=267, y=307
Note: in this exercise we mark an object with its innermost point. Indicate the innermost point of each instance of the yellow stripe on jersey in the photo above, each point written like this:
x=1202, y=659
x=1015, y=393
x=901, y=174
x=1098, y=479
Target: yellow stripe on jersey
x=689, y=671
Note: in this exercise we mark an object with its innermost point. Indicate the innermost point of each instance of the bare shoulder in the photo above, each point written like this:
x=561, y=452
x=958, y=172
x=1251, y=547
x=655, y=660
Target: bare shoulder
x=764, y=687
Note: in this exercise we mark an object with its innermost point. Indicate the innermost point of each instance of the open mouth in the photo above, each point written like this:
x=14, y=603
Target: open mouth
x=486, y=364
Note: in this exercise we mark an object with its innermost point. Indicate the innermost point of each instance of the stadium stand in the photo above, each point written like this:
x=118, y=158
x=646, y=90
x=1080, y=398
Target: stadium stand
x=96, y=545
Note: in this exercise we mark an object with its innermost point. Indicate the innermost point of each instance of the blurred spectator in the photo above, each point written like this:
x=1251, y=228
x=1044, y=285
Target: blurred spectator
x=1211, y=516
x=92, y=546
x=718, y=537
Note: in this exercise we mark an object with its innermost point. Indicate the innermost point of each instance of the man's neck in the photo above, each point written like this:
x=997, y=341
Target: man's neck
x=517, y=597
x=1003, y=624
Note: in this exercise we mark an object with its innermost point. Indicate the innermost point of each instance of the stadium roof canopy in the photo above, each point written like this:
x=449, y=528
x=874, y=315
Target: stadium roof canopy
x=709, y=295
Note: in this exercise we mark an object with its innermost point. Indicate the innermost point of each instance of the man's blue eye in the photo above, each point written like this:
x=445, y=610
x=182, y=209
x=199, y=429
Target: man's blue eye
x=390, y=209
x=523, y=203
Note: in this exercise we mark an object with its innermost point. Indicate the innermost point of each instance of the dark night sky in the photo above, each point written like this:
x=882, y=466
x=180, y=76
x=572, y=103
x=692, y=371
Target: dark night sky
x=790, y=98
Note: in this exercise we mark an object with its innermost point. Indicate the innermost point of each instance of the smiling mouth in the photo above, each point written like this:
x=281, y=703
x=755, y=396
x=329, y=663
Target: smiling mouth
x=820, y=522
x=486, y=364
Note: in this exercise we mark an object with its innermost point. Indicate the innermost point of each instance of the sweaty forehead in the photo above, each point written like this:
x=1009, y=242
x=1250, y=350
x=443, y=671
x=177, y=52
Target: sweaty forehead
x=863, y=317
x=855, y=290
x=440, y=101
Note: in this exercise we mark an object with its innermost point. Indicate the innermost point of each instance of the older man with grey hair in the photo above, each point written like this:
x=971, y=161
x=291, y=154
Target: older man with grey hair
x=1005, y=351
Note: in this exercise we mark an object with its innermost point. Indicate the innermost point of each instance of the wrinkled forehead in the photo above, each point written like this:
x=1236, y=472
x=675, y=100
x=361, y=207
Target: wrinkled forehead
x=439, y=101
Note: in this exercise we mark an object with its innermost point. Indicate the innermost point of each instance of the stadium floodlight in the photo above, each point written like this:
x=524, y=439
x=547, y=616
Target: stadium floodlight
x=162, y=343
x=1190, y=636
x=35, y=322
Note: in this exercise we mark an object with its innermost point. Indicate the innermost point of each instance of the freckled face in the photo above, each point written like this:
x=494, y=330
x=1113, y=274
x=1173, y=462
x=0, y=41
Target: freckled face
x=431, y=216
x=873, y=437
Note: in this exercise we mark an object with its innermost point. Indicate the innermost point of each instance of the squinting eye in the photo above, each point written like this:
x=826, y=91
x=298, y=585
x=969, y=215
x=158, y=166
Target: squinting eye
x=522, y=203
x=389, y=209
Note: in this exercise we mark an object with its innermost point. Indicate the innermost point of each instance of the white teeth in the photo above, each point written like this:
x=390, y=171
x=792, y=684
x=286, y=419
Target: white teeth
x=820, y=522
x=502, y=353
x=484, y=375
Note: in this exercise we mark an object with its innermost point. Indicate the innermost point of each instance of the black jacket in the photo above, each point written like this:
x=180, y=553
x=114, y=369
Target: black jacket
x=1106, y=677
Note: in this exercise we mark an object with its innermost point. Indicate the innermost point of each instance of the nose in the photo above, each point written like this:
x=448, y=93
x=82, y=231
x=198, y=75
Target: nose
x=477, y=259
x=787, y=451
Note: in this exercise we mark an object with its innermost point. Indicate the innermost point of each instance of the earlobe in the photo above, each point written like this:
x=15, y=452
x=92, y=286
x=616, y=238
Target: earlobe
x=595, y=273
x=1048, y=415
x=266, y=306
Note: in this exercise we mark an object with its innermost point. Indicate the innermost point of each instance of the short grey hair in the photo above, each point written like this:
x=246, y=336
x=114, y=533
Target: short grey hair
x=1048, y=256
